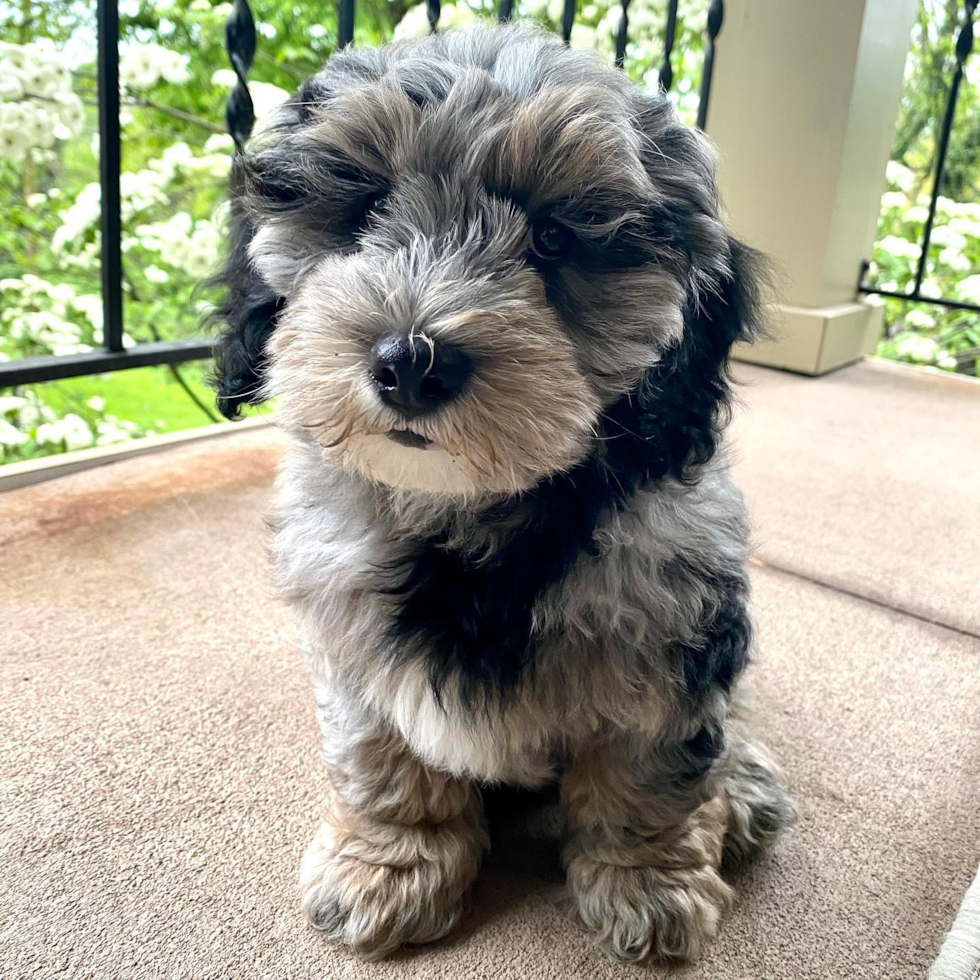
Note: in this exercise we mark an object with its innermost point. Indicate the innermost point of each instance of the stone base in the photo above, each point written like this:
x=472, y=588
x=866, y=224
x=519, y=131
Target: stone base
x=815, y=341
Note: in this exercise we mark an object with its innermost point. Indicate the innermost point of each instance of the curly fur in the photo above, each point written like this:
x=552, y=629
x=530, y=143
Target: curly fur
x=552, y=590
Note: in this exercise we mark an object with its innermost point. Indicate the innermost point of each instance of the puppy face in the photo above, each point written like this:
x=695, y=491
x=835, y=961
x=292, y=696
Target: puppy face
x=468, y=248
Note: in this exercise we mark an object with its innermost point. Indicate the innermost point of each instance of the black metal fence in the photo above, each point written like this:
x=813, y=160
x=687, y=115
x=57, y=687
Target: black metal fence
x=240, y=37
x=964, y=45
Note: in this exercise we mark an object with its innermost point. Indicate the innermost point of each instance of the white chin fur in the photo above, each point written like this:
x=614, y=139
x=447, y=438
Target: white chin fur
x=432, y=469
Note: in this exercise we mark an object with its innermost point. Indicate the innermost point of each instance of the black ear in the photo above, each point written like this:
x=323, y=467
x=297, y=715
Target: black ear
x=248, y=312
x=670, y=425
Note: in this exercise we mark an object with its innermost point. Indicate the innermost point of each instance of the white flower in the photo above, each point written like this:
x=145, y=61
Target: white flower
x=900, y=176
x=35, y=200
x=944, y=235
x=173, y=66
x=955, y=260
x=455, y=14
x=13, y=145
x=583, y=36
x=72, y=431
x=78, y=219
x=916, y=215
x=137, y=68
x=61, y=336
x=900, y=247
x=965, y=209
x=969, y=289
x=532, y=8
x=112, y=430
x=62, y=292
x=966, y=226
x=11, y=403
x=71, y=112
x=415, y=23
x=143, y=65
x=920, y=349
x=919, y=319
x=96, y=403
x=11, y=83
x=90, y=306
x=12, y=55
x=219, y=142
x=155, y=274
x=33, y=413
x=893, y=199
x=10, y=437
x=265, y=97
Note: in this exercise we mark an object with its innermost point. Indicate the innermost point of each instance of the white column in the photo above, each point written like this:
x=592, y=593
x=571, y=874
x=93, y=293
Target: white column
x=803, y=107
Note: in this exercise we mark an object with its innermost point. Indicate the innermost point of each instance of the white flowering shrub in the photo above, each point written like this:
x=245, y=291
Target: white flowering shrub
x=176, y=157
x=923, y=333
x=38, y=107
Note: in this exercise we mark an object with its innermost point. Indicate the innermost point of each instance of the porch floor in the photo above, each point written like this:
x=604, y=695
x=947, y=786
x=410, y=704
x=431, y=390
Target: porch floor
x=161, y=773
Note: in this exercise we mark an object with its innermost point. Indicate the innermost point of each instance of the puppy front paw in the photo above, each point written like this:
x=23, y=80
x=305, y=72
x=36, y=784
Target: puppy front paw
x=375, y=889
x=639, y=911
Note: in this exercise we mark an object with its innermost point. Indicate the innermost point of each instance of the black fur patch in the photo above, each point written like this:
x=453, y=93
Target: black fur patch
x=248, y=310
x=724, y=654
x=473, y=619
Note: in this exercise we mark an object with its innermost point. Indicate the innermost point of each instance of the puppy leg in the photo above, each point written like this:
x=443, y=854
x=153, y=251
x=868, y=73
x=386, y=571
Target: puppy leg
x=648, y=822
x=759, y=808
x=401, y=844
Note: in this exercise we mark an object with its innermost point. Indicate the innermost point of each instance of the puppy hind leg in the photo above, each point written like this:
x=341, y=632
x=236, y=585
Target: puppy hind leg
x=759, y=806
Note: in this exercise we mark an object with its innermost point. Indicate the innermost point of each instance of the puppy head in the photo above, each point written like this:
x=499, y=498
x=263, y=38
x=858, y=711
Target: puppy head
x=457, y=259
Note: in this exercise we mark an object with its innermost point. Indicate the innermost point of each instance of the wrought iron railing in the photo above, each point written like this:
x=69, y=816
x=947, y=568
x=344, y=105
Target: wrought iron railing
x=240, y=38
x=964, y=46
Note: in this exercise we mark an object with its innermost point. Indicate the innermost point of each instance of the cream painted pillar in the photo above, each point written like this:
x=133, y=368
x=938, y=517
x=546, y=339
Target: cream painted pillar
x=803, y=107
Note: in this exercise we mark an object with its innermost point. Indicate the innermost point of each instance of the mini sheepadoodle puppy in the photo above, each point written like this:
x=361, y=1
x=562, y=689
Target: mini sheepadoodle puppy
x=488, y=281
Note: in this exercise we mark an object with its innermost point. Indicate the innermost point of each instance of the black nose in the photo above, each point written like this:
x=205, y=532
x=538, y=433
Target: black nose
x=417, y=374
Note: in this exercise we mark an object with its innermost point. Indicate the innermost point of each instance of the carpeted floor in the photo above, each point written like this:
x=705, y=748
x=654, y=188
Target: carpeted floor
x=160, y=772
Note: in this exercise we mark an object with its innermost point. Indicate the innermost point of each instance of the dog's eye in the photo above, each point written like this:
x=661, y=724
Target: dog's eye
x=551, y=239
x=373, y=203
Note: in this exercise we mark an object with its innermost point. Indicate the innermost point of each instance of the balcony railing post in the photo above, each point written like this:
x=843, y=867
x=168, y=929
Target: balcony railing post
x=666, y=74
x=567, y=20
x=622, y=32
x=240, y=45
x=716, y=17
x=964, y=45
x=345, y=23
x=433, y=8
x=107, y=25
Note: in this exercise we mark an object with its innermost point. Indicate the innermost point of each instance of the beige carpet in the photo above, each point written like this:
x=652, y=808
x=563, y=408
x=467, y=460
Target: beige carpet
x=160, y=772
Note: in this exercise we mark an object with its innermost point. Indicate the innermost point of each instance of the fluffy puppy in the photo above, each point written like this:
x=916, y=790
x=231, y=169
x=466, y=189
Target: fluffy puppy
x=488, y=282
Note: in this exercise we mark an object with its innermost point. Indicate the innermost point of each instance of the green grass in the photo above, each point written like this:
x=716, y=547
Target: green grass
x=147, y=396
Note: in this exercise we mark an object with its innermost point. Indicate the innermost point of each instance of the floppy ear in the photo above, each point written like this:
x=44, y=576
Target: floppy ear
x=682, y=402
x=677, y=411
x=271, y=178
x=248, y=311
